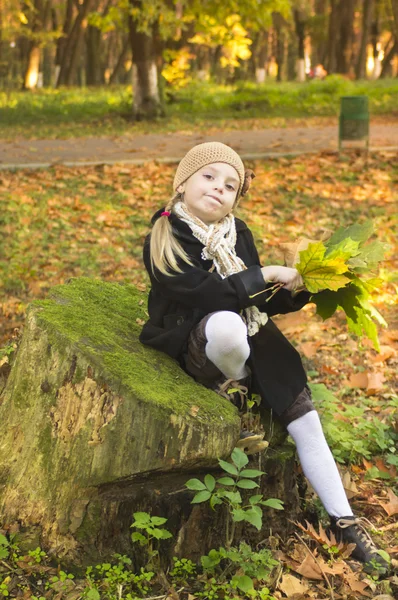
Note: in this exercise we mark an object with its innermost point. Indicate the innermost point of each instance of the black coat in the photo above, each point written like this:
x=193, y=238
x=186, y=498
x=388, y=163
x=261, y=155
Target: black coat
x=177, y=303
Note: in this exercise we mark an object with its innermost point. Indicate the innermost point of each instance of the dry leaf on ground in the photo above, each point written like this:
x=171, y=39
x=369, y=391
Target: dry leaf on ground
x=371, y=382
x=290, y=585
x=351, y=489
x=391, y=507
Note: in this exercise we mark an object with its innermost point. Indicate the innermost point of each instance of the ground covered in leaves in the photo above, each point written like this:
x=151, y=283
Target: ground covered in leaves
x=62, y=223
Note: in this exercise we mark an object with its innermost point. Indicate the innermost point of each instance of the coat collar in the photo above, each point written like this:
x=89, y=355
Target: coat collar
x=184, y=231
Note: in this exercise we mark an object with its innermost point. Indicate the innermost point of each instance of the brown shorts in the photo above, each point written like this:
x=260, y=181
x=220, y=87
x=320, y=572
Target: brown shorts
x=196, y=362
x=205, y=372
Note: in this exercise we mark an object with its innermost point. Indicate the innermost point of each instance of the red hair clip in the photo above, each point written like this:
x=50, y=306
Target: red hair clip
x=166, y=213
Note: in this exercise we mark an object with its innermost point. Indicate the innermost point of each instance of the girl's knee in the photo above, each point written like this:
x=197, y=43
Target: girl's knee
x=228, y=326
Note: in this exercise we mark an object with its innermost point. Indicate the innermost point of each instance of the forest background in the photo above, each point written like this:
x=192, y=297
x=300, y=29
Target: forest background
x=162, y=46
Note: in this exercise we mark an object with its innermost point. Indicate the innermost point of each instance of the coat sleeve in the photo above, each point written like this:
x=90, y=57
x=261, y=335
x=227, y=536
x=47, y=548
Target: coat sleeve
x=282, y=302
x=197, y=288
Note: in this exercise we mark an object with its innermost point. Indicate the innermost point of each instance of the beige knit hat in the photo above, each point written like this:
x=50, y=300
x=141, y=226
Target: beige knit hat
x=205, y=154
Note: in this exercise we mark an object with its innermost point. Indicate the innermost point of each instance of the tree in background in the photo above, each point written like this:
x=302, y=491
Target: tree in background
x=163, y=44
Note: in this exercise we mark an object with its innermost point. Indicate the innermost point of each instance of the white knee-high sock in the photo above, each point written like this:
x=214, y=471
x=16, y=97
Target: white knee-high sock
x=227, y=346
x=318, y=464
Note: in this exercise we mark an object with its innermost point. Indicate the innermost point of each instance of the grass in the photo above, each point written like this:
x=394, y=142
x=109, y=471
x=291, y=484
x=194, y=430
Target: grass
x=79, y=112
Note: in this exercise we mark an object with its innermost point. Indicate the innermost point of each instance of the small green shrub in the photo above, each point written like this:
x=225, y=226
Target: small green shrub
x=352, y=432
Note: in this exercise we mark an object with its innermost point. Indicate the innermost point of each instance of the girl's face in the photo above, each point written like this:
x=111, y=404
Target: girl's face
x=210, y=193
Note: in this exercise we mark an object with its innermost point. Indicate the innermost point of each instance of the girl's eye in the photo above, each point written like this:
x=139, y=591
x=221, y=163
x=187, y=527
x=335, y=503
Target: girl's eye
x=208, y=176
x=230, y=188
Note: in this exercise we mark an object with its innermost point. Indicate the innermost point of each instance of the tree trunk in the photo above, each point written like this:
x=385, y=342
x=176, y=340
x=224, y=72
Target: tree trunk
x=319, y=36
x=94, y=67
x=278, y=22
x=71, y=50
x=300, y=22
x=114, y=77
x=261, y=59
x=332, y=37
x=394, y=6
x=386, y=69
x=367, y=16
x=95, y=426
x=344, y=47
x=32, y=70
x=145, y=49
x=62, y=41
x=42, y=12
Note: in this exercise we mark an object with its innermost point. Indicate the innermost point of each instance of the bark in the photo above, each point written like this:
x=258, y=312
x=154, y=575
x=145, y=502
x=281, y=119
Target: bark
x=94, y=66
x=386, y=69
x=95, y=60
x=260, y=56
x=367, y=17
x=71, y=50
x=278, y=22
x=394, y=6
x=300, y=22
x=344, y=48
x=62, y=41
x=319, y=33
x=146, y=51
x=114, y=77
x=94, y=426
x=332, y=37
x=41, y=18
x=340, y=36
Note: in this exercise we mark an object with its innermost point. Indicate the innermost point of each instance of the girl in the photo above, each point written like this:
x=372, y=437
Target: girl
x=210, y=307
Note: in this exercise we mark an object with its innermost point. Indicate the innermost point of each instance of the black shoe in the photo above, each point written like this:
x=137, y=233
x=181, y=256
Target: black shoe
x=351, y=530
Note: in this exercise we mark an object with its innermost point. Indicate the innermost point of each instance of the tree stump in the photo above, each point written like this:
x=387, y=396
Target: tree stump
x=95, y=426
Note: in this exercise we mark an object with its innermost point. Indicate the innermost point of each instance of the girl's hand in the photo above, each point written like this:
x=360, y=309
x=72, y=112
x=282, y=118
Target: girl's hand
x=291, y=278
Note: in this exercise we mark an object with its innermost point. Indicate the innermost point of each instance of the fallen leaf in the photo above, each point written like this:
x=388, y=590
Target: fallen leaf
x=385, y=353
x=359, y=380
x=351, y=489
x=371, y=382
x=194, y=410
x=309, y=568
x=356, y=585
x=391, y=507
x=309, y=349
x=290, y=585
x=375, y=383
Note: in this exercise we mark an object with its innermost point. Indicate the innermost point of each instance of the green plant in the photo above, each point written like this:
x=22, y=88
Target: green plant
x=150, y=526
x=243, y=565
x=4, y=587
x=38, y=554
x=113, y=579
x=226, y=490
x=4, y=547
x=356, y=433
x=183, y=570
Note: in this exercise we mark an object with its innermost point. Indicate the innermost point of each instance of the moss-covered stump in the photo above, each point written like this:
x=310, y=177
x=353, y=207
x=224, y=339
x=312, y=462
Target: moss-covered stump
x=94, y=426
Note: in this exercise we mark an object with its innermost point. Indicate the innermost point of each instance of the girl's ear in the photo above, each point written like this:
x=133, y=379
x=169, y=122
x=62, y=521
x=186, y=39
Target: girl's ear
x=181, y=188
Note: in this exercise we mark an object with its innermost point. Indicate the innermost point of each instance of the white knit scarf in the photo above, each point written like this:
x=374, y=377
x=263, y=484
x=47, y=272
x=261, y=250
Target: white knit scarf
x=219, y=241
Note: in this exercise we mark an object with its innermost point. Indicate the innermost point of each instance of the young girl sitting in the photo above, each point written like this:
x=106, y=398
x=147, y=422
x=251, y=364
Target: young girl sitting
x=210, y=307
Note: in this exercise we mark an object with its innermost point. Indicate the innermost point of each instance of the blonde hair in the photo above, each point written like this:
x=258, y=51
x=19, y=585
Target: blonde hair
x=165, y=249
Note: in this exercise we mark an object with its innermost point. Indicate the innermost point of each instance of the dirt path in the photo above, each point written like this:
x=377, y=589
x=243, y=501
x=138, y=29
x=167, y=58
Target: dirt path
x=170, y=147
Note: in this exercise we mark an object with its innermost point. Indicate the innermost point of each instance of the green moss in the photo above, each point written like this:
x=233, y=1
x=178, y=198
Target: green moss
x=100, y=319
